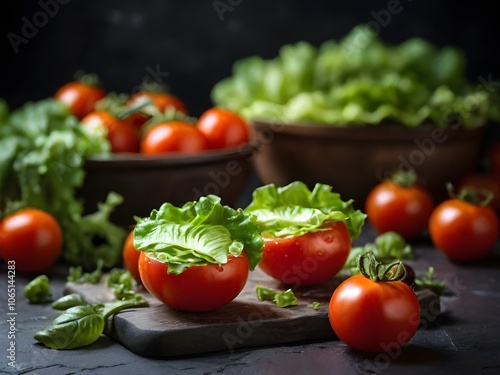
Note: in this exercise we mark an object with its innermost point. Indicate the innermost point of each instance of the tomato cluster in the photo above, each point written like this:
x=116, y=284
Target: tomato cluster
x=151, y=122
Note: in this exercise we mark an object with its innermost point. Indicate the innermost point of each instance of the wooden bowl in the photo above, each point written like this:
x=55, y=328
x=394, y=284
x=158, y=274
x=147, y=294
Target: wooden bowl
x=354, y=159
x=146, y=182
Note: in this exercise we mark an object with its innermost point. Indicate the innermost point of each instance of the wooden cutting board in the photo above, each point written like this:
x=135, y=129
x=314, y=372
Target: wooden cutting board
x=160, y=332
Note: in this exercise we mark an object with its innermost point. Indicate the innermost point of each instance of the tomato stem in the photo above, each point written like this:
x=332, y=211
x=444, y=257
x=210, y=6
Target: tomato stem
x=371, y=268
x=478, y=197
x=404, y=178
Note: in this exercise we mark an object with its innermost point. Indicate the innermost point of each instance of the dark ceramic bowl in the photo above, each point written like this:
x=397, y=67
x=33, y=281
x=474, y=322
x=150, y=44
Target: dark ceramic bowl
x=146, y=182
x=354, y=159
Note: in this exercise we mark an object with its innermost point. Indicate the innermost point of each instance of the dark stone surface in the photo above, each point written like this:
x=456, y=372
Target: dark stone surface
x=463, y=340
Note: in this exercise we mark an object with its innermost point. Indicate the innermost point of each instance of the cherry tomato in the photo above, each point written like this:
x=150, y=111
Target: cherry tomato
x=197, y=288
x=79, y=97
x=173, y=136
x=393, y=207
x=161, y=100
x=463, y=231
x=32, y=238
x=488, y=182
x=309, y=259
x=131, y=256
x=374, y=316
x=121, y=135
x=223, y=128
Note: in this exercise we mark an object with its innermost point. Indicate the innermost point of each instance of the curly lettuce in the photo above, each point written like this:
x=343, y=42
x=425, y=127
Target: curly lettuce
x=358, y=80
x=294, y=210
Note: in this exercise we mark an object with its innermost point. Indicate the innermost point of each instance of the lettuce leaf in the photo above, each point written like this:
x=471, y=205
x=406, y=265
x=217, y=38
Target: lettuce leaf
x=43, y=149
x=200, y=232
x=294, y=210
x=358, y=80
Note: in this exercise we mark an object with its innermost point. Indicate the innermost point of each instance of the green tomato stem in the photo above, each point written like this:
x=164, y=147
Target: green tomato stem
x=371, y=268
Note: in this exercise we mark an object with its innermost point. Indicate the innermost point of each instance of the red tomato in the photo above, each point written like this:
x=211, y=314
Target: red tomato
x=79, y=97
x=131, y=256
x=462, y=230
x=173, y=136
x=405, y=210
x=32, y=238
x=121, y=135
x=161, y=100
x=197, y=288
x=488, y=182
x=309, y=259
x=374, y=316
x=223, y=128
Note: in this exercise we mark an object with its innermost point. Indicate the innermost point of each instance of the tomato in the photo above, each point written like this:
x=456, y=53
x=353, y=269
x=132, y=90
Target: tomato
x=374, y=316
x=197, y=288
x=463, y=231
x=121, y=135
x=79, y=97
x=130, y=256
x=173, y=136
x=223, y=128
x=32, y=238
x=488, y=182
x=309, y=259
x=161, y=100
x=402, y=209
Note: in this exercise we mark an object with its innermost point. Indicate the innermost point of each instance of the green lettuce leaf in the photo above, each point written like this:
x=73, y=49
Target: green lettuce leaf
x=199, y=232
x=294, y=210
x=358, y=80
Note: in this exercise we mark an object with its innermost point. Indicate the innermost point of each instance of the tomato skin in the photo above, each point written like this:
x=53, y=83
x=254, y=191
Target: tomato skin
x=405, y=210
x=197, y=288
x=32, y=238
x=121, y=135
x=223, y=128
x=462, y=230
x=130, y=256
x=79, y=97
x=161, y=100
x=173, y=136
x=374, y=316
x=309, y=259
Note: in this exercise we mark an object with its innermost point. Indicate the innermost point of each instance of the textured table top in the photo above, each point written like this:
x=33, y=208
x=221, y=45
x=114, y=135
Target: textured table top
x=465, y=339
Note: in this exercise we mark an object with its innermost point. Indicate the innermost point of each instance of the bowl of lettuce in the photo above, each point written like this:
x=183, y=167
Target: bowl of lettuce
x=348, y=112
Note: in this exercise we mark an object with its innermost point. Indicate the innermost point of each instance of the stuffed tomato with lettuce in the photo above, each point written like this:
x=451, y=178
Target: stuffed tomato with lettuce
x=197, y=257
x=307, y=234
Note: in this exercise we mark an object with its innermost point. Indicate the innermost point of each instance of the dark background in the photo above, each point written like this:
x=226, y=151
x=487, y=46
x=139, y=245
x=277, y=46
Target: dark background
x=123, y=41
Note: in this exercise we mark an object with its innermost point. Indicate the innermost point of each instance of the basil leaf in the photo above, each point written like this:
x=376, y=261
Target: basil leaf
x=295, y=210
x=77, y=326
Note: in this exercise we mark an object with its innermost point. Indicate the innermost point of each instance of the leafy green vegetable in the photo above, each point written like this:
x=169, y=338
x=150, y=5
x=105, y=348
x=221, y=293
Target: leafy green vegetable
x=69, y=300
x=122, y=283
x=38, y=290
x=315, y=305
x=43, y=149
x=388, y=246
x=281, y=299
x=77, y=275
x=428, y=281
x=82, y=325
x=294, y=210
x=358, y=80
x=197, y=233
